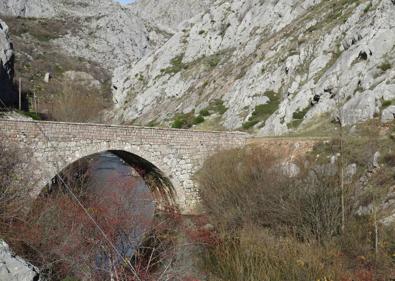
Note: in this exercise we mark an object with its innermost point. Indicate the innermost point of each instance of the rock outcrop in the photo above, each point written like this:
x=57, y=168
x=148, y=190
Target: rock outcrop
x=14, y=268
x=6, y=67
x=168, y=14
x=274, y=65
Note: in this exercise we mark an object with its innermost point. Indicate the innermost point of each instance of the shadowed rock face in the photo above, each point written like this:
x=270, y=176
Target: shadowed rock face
x=6, y=66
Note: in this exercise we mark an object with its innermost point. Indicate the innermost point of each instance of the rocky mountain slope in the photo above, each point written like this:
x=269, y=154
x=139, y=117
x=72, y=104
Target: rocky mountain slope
x=83, y=40
x=270, y=66
x=105, y=31
x=169, y=13
x=102, y=31
x=6, y=66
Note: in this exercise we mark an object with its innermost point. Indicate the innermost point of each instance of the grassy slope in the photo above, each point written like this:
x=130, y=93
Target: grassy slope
x=36, y=54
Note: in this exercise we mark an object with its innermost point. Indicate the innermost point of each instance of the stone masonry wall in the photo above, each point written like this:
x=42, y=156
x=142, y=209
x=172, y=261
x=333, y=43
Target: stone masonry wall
x=49, y=147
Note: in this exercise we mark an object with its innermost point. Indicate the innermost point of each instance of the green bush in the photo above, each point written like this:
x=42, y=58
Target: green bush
x=178, y=123
x=385, y=66
x=198, y=119
x=217, y=106
x=386, y=103
x=300, y=114
x=249, y=124
x=205, y=112
x=298, y=117
x=186, y=121
x=367, y=8
x=263, y=111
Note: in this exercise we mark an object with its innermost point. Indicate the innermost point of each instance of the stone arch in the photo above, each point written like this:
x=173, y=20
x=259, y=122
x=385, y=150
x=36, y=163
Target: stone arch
x=166, y=189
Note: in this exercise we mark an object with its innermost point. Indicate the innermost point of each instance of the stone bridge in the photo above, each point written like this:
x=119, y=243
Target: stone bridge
x=166, y=158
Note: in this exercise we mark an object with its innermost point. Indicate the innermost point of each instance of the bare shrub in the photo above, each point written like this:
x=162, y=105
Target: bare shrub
x=77, y=104
x=63, y=241
x=273, y=227
x=249, y=186
x=13, y=197
x=258, y=254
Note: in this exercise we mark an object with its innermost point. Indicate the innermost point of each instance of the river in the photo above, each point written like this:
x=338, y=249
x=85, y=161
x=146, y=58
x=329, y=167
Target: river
x=113, y=180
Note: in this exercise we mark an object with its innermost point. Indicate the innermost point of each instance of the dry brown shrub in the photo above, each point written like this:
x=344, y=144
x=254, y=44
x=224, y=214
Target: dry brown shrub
x=78, y=104
x=248, y=186
x=258, y=254
x=275, y=227
x=13, y=197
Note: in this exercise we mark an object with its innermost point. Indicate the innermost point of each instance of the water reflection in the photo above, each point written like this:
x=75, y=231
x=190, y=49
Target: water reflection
x=121, y=190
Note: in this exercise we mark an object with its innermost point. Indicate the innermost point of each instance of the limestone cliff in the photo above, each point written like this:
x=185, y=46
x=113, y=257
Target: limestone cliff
x=272, y=66
x=267, y=66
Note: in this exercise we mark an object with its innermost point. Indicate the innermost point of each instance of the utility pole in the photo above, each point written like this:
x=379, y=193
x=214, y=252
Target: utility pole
x=34, y=102
x=20, y=93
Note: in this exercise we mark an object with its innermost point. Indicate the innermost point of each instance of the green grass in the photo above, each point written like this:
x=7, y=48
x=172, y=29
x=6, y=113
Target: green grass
x=215, y=106
x=298, y=117
x=263, y=111
x=205, y=112
x=367, y=8
x=176, y=65
x=198, y=119
x=218, y=106
x=385, y=66
x=187, y=120
x=213, y=60
x=387, y=103
x=33, y=115
x=182, y=121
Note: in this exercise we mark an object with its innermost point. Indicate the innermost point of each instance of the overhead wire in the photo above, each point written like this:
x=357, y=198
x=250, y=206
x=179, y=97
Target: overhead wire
x=79, y=203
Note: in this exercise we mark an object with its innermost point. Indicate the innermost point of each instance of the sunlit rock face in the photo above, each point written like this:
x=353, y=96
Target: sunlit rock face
x=303, y=59
x=275, y=66
x=106, y=31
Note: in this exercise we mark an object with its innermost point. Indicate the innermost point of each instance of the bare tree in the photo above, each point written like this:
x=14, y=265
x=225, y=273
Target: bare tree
x=13, y=197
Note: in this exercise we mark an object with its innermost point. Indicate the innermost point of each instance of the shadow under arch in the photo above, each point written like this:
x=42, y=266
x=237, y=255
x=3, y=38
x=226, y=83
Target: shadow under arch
x=159, y=184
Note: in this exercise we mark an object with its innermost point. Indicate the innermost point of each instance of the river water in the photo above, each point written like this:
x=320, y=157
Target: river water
x=120, y=187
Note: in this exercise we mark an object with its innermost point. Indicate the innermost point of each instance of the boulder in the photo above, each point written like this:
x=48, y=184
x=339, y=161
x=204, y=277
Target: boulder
x=388, y=114
x=82, y=78
x=14, y=268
